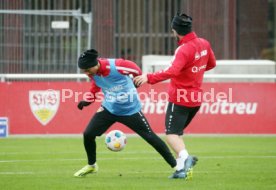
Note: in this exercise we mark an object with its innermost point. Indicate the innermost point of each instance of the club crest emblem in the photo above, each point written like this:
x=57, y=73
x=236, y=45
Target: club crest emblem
x=44, y=104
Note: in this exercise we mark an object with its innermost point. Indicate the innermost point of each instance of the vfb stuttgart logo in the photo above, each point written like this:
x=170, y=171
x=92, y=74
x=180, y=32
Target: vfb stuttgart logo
x=44, y=104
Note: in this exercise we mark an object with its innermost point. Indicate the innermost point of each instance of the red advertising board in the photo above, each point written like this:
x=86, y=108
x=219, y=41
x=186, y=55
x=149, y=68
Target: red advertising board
x=51, y=108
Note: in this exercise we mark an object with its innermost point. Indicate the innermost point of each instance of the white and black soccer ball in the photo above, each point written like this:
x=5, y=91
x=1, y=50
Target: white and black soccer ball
x=115, y=140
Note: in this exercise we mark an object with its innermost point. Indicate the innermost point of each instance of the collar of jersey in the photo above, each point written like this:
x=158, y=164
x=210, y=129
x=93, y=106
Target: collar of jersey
x=187, y=37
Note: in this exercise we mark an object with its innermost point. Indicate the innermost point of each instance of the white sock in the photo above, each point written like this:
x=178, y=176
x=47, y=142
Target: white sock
x=179, y=164
x=183, y=155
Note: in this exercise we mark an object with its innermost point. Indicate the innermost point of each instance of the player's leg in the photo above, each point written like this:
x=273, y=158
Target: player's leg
x=191, y=160
x=177, y=119
x=175, y=122
x=138, y=123
x=100, y=122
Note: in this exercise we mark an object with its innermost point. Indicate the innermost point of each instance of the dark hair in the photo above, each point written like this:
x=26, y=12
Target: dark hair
x=182, y=24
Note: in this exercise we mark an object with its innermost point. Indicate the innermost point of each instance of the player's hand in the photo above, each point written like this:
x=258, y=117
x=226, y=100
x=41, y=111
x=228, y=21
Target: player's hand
x=82, y=104
x=139, y=80
x=131, y=76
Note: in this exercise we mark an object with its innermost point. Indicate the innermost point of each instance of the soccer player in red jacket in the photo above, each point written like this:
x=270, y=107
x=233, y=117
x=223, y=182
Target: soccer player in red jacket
x=192, y=58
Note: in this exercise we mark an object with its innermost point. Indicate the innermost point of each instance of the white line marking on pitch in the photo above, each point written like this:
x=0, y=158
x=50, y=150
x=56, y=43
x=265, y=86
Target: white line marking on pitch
x=61, y=153
x=16, y=173
x=137, y=158
x=109, y=172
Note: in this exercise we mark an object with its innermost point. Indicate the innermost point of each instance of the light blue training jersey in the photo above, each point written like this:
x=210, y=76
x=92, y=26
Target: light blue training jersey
x=120, y=95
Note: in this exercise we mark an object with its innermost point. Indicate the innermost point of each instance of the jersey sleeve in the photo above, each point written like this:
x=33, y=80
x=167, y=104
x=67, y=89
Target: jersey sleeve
x=94, y=90
x=211, y=61
x=178, y=63
x=126, y=67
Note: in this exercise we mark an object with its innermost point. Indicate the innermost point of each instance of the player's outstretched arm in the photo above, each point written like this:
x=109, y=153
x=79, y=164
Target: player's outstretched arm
x=91, y=98
x=140, y=80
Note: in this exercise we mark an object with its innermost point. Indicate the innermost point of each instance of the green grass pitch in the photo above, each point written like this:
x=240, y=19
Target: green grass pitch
x=225, y=162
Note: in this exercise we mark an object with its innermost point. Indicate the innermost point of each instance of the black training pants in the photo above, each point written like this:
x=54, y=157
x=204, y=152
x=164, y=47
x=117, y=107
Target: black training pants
x=103, y=119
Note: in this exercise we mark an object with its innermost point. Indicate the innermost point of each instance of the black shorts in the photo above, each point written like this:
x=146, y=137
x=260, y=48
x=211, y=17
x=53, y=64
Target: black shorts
x=103, y=120
x=178, y=118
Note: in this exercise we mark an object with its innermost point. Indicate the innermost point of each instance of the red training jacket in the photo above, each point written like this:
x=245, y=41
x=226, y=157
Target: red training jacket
x=191, y=59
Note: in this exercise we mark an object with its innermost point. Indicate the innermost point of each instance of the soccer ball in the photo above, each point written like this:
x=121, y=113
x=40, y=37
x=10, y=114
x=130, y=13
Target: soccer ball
x=115, y=140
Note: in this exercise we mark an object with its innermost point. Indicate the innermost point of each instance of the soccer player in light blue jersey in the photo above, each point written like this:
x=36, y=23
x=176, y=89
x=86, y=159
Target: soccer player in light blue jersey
x=121, y=104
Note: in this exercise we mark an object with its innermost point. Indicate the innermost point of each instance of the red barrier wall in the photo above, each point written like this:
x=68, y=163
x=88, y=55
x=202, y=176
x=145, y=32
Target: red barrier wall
x=229, y=108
